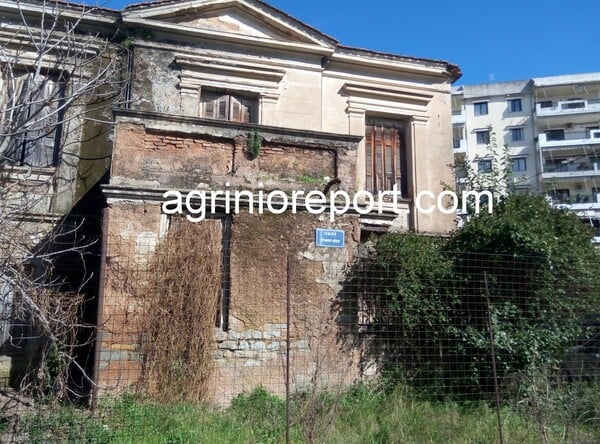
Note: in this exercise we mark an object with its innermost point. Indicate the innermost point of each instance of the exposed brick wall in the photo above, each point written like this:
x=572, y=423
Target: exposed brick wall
x=169, y=160
x=131, y=239
x=160, y=159
x=296, y=163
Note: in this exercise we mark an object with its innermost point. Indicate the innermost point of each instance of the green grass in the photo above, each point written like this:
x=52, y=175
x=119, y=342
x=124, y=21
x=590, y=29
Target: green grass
x=360, y=415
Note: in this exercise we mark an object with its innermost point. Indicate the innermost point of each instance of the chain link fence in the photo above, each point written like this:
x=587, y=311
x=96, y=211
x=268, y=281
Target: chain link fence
x=317, y=342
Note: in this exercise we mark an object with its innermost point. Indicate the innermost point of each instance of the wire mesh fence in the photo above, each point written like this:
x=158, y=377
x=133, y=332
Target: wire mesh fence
x=198, y=316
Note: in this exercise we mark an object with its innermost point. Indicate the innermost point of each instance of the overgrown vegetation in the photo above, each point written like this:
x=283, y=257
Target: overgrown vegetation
x=60, y=81
x=254, y=145
x=181, y=297
x=362, y=414
x=528, y=269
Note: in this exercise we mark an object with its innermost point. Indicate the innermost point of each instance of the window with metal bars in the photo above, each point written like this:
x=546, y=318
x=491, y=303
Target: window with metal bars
x=385, y=147
x=231, y=107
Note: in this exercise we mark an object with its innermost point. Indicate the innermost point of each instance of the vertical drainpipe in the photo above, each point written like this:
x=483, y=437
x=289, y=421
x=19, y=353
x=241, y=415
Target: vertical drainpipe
x=100, y=311
x=129, y=77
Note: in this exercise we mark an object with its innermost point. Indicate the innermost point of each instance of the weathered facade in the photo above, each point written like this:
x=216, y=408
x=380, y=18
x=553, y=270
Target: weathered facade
x=209, y=77
x=60, y=75
x=237, y=96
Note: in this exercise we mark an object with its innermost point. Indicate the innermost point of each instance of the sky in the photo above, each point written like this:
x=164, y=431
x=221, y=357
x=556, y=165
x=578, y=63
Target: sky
x=491, y=41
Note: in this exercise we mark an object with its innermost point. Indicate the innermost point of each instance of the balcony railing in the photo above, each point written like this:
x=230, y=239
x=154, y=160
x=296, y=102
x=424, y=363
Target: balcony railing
x=578, y=166
x=571, y=139
x=458, y=116
x=583, y=198
x=566, y=107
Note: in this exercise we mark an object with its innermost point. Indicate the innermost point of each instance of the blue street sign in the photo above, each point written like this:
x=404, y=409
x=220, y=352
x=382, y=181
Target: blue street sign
x=330, y=238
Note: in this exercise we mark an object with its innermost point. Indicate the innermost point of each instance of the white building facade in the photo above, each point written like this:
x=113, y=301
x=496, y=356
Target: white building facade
x=501, y=115
x=548, y=127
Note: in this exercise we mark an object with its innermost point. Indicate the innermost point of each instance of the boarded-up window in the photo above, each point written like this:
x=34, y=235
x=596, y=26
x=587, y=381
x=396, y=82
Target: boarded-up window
x=35, y=108
x=385, y=155
x=235, y=108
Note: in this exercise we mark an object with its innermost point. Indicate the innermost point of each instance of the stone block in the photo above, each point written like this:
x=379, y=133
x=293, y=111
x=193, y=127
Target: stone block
x=300, y=345
x=230, y=345
x=247, y=354
x=272, y=334
x=274, y=346
x=251, y=334
x=275, y=327
x=220, y=335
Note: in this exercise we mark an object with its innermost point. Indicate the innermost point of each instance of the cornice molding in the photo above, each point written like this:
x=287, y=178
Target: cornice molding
x=397, y=101
x=198, y=71
x=229, y=37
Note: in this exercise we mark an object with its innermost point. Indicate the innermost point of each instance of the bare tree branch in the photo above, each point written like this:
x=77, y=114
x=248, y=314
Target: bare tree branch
x=59, y=77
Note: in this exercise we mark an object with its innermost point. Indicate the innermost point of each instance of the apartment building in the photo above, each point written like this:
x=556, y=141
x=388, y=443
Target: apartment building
x=567, y=125
x=495, y=120
x=549, y=128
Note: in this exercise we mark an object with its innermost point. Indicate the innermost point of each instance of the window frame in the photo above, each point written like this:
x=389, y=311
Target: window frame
x=487, y=169
x=223, y=104
x=519, y=164
x=481, y=108
x=483, y=140
x=512, y=107
x=40, y=146
x=386, y=155
x=552, y=134
x=517, y=130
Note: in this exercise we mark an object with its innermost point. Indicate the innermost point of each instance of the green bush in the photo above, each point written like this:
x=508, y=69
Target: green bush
x=528, y=267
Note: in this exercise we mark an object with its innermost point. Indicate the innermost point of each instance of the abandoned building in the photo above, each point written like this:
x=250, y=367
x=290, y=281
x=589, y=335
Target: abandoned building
x=237, y=95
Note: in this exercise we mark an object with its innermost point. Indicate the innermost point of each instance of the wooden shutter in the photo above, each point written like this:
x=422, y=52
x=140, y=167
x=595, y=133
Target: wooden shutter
x=215, y=105
x=235, y=110
x=384, y=155
x=208, y=106
x=41, y=142
x=241, y=109
x=228, y=107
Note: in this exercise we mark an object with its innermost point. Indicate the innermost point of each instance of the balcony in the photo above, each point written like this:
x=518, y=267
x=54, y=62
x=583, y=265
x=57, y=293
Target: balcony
x=571, y=139
x=585, y=204
x=567, y=107
x=571, y=168
x=458, y=116
x=459, y=145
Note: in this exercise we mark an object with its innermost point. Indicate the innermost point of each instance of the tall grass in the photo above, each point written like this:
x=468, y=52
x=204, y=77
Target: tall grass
x=361, y=415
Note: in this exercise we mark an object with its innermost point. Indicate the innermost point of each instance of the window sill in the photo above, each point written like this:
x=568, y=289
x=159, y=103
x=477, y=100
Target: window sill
x=33, y=174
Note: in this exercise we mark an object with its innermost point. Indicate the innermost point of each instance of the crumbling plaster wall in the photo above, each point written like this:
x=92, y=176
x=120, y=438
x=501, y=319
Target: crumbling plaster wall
x=153, y=152
x=252, y=351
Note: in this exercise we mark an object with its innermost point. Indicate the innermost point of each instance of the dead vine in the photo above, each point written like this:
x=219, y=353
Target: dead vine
x=181, y=300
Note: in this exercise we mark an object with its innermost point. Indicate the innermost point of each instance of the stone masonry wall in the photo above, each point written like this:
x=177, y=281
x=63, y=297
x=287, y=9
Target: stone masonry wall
x=252, y=352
